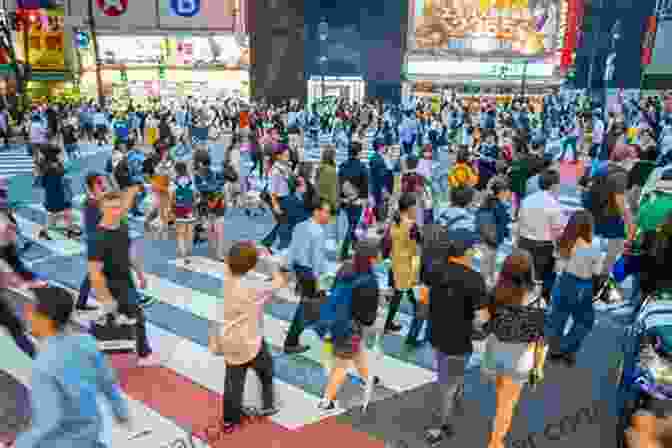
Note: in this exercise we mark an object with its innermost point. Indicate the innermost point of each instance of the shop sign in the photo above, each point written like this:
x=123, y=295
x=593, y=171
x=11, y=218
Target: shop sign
x=113, y=8
x=473, y=68
x=185, y=8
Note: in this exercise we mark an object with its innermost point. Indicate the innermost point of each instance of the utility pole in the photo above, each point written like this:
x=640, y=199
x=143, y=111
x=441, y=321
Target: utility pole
x=96, y=53
x=25, y=25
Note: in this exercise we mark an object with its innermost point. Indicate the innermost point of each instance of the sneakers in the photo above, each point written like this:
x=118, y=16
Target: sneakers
x=435, y=436
x=146, y=301
x=296, y=349
x=86, y=308
x=328, y=406
x=152, y=360
x=393, y=328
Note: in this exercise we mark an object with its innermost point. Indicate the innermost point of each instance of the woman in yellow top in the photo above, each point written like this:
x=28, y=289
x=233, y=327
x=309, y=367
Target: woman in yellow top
x=163, y=173
x=405, y=258
x=151, y=129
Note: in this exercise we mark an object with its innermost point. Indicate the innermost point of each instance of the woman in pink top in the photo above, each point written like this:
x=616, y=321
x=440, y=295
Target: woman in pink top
x=236, y=333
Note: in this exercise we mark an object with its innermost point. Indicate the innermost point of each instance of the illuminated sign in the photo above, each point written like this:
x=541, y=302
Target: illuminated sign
x=185, y=8
x=483, y=26
x=465, y=68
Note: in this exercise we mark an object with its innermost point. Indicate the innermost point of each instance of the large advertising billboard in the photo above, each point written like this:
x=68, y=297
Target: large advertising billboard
x=484, y=26
x=46, y=44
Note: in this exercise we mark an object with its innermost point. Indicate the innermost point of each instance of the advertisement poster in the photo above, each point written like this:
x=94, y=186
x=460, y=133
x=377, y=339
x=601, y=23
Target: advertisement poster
x=46, y=49
x=483, y=26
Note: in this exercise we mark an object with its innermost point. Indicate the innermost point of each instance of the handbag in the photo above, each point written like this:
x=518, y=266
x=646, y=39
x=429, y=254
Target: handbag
x=540, y=350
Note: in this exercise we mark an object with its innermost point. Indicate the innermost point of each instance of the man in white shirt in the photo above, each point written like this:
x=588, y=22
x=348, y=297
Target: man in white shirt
x=540, y=224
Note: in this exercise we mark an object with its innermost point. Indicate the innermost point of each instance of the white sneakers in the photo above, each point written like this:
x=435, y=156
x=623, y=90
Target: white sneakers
x=328, y=406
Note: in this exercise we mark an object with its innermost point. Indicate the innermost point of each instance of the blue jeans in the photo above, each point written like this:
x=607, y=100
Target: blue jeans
x=572, y=296
x=293, y=213
x=139, y=198
x=568, y=143
x=84, y=291
x=354, y=213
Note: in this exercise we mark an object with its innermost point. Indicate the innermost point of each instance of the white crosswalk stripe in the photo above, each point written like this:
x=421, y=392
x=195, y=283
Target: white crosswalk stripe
x=15, y=161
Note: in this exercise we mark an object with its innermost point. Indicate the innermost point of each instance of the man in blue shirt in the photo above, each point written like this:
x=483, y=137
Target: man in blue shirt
x=308, y=259
x=68, y=373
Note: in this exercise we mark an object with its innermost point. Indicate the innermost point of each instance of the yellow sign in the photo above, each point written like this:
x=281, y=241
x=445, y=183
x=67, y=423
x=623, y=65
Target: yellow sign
x=46, y=45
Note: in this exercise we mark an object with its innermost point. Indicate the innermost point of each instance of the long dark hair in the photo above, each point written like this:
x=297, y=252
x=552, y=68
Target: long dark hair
x=580, y=225
x=406, y=201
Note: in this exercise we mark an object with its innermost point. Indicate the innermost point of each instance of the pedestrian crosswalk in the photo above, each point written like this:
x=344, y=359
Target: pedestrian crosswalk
x=186, y=298
x=17, y=160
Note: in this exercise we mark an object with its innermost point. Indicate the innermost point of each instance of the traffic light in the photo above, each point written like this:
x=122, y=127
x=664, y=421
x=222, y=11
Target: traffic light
x=82, y=40
x=162, y=71
x=124, y=76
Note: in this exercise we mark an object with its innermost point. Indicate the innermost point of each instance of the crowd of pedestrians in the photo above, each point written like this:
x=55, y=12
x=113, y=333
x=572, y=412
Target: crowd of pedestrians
x=432, y=198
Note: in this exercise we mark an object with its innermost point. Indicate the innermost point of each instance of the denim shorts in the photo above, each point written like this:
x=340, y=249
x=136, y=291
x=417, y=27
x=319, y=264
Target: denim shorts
x=508, y=359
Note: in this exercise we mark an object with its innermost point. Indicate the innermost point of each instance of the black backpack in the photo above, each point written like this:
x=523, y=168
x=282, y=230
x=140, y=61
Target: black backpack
x=122, y=174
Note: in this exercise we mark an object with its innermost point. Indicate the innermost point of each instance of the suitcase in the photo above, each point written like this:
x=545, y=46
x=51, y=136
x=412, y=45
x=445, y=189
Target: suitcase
x=115, y=334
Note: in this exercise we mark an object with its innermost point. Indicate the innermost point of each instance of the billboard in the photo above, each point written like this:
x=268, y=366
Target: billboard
x=46, y=44
x=484, y=26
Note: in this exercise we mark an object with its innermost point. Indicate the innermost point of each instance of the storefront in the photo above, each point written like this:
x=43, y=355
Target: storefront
x=468, y=78
x=44, y=38
x=143, y=67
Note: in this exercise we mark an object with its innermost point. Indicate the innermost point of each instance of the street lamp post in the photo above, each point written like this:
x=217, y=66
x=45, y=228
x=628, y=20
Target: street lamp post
x=523, y=81
x=323, y=31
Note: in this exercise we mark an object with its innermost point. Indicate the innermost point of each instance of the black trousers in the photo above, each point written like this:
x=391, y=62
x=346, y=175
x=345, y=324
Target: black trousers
x=235, y=384
x=543, y=260
x=16, y=328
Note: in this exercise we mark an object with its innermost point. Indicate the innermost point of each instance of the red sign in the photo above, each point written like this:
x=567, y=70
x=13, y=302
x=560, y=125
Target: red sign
x=574, y=20
x=113, y=8
x=649, y=40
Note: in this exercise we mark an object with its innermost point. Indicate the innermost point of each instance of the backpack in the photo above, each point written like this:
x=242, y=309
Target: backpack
x=412, y=183
x=596, y=197
x=122, y=174
x=459, y=176
x=184, y=195
x=336, y=310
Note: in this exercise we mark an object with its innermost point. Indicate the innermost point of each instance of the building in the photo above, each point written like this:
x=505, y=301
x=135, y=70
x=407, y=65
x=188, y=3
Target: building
x=149, y=48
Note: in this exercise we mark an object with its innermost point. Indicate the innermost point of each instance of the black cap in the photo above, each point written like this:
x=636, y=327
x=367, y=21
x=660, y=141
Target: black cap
x=55, y=303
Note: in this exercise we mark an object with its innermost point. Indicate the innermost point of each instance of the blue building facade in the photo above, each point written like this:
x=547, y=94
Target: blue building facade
x=366, y=38
x=598, y=43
